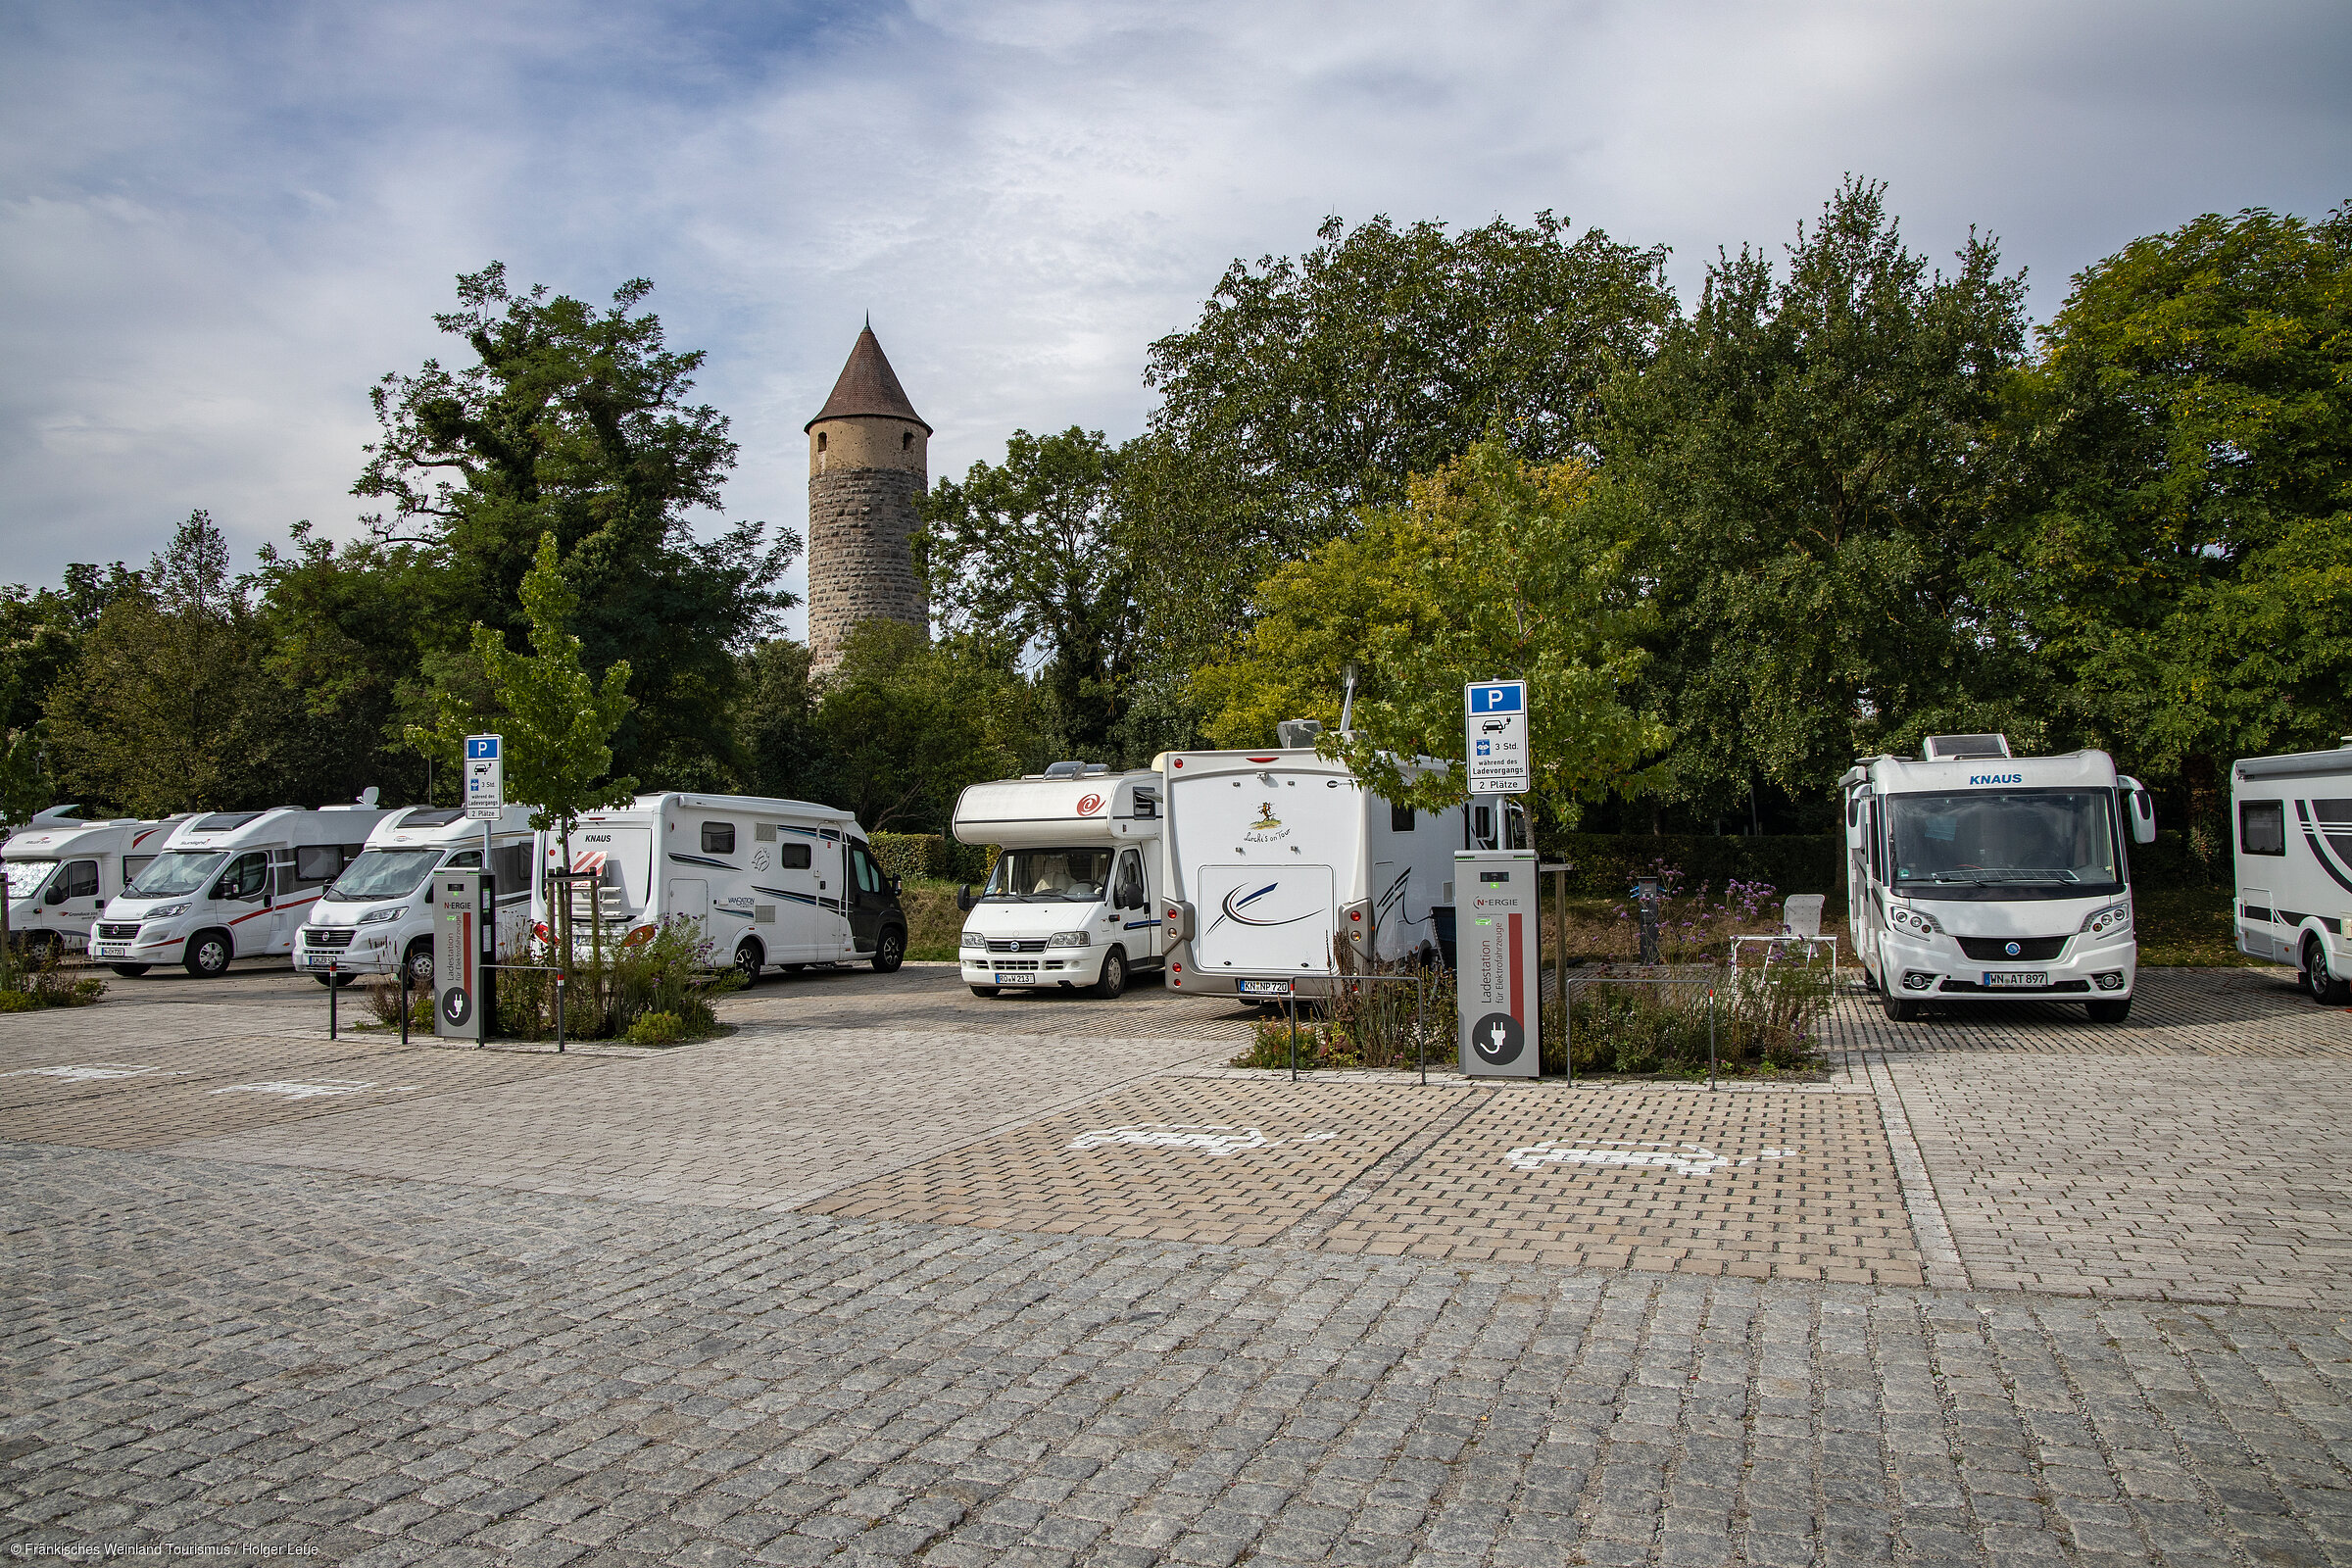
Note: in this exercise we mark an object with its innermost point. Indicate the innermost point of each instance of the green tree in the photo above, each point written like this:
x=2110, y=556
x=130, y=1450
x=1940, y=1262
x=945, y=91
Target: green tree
x=1032, y=554
x=1809, y=468
x=903, y=726
x=1494, y=569
x=573, y=421
x=558, y=720
x=2185, y=444
x=1311, y=387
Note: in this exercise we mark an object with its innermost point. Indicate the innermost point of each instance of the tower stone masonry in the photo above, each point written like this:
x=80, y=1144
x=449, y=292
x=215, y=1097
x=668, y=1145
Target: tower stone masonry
x=869, y=461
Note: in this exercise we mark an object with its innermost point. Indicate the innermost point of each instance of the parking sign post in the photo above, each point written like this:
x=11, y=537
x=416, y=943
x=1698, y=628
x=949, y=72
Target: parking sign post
x=1494, y=744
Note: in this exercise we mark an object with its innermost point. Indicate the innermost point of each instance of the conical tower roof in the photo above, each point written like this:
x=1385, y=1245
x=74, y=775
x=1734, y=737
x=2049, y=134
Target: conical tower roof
x=869, y=387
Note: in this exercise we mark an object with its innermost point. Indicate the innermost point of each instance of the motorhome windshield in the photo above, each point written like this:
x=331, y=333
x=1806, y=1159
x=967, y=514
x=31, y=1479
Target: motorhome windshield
x=1050, y=876
x=177, y=871
x=2042, y=844
x=24, y=877
x=382, y=874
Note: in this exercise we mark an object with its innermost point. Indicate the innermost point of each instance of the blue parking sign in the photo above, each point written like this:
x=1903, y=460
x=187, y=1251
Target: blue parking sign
x=1499, y=697
x=481, y=748
x=1494, y=744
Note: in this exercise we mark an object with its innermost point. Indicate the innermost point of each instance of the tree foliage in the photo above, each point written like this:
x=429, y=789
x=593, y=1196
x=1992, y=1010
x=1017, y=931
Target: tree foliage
x=1494, y=569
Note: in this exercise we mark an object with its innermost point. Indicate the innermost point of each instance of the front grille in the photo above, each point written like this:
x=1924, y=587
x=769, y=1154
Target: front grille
x=1036, y=946
x=1019, y=963
x=109, y=932
x=1971, y=987
x=324, y=936
x=1996, y=949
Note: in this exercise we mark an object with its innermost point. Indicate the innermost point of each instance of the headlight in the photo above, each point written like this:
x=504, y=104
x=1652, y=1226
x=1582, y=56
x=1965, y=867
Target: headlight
x=1914, y=922
x=1069, y=939
x=165, y=911
x=2112, y=921
x=974, y=938
x=375, y=916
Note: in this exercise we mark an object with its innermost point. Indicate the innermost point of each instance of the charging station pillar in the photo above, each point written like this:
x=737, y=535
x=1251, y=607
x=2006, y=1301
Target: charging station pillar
x=1499, y=986
x=458, y=941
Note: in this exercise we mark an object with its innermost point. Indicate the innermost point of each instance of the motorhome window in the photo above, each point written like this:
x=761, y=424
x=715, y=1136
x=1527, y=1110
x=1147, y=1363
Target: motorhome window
x=382, y=874
x=510, y=866
x=793, y=856
x=2056, y=843
x=463, y=860
x=1400, y=818
x=177, y=871
x=24, y=877
x=718, y=838
x=223, y=822
x=869, y=875
x=1131, y=881
x=318, y=862
x=132, y=866
x=245, y=877
x=433, y=816
x=2262, y=827
x=1050, y=876
x=1146, y=803
x=82, y=879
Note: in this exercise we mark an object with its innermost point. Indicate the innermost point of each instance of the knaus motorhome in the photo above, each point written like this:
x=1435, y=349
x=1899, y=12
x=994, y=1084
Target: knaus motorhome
x=61, y=871
x=229, y=885
x=1073, y=897
x=1972, y=873
x=764, y=882
x=1272, y=855
x=380, y=913
x=2294, y=864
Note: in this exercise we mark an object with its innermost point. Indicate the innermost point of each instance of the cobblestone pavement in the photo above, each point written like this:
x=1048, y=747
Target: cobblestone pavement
x=933, y=997
x=2220, y=1012
x=387, y=1372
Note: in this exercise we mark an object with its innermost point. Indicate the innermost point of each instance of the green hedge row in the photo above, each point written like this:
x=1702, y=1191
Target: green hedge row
x=931, y=854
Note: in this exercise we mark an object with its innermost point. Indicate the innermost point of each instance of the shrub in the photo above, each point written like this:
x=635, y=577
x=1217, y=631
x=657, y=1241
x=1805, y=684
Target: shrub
x=383, y=1000
x=656, y=1029
x=614, y=984
x=48, y=982
x=910, y=855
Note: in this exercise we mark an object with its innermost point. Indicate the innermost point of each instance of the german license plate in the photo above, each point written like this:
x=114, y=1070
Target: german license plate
x=1015, y=979
x=321, y=960
x=110, y=950
x=1265, y=988
x=1997, y=979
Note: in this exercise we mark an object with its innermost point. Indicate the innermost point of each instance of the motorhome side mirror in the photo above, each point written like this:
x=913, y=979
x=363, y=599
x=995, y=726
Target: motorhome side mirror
x=964, y=898
x=55, y=895
x=896, y=885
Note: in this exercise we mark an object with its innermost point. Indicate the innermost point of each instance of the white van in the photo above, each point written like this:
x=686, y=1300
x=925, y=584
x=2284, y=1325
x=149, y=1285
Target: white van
x=230, y=885
x=1073, y=897
x=60, y=870
x=2293, y=819
x=1972, y=873
x=1273, y=854
x=766, y=883
x=371, y=919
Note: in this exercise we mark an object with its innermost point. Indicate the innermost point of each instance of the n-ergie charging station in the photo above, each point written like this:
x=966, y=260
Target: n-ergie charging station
x=1500, y=988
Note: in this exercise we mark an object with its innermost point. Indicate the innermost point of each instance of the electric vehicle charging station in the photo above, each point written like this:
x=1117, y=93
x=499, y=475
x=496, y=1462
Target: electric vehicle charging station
x=464, y=939
x=1500, y=986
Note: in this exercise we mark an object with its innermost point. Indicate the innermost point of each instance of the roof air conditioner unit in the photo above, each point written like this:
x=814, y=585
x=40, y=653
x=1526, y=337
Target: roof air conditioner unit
x=1963, y=748
x=1298, y=734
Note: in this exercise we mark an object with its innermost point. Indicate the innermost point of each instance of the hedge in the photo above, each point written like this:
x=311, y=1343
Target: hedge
x=931, y=854
x=1604, y=865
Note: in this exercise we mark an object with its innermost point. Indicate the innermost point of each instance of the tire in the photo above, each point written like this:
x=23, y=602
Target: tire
x=890, y=952
x=419, y=960
x=338, y=981
x=2322, y=987
x=750, y=959
x=1899, y=1008
x=2108, y=1011
x=1114, y=975
x=984, y=991
x=130, y=971
x=208, y=954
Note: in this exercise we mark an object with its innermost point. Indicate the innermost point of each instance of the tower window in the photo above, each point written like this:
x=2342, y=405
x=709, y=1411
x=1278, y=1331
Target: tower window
x=905, y=440
x=820, y=440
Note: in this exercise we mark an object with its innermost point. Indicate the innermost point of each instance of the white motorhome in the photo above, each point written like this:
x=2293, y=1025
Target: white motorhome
x=2294, y=864
x=1073, y=897
x=1972, y=873
x=1272, y=855
x=375, y=916
x=60, y=870
x=765, y=883
x=230, y=885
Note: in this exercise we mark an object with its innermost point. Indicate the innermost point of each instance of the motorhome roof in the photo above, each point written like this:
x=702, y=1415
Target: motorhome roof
x=2092, y=767
x=2297, y=764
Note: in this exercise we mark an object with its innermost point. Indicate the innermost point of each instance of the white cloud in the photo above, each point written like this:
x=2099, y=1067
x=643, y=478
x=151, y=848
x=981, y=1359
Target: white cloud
x=218, y=232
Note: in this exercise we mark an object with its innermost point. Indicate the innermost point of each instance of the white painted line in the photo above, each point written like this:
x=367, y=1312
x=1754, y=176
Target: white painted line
x=1683, y=1159
x=1214, y=1138
x=331, y=1085
x=95, y=1071
x=1938, y=1254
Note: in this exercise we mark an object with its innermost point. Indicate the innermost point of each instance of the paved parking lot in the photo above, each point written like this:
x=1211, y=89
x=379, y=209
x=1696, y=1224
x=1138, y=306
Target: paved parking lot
x=897, y=1274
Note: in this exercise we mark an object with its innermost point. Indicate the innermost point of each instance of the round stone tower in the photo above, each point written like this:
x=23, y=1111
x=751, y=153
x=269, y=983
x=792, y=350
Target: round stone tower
x=867, y=462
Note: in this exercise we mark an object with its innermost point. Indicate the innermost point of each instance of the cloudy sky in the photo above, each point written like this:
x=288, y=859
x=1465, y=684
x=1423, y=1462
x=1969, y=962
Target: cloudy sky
x=219, y=222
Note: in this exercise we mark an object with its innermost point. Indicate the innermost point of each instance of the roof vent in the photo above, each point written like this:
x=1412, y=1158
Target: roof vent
x=1298, y=734
x=1962, y=747
x=1075, y=769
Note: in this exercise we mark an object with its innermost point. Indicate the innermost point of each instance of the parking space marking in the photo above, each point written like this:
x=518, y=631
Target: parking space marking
x=95, y=1071
x=288, y=1090
x=1683, y=1159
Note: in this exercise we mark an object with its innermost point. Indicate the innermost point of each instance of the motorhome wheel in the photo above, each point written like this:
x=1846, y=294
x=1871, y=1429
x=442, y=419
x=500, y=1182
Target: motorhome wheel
x=2109, y=1012
x=130, y=971
x=750, y=959
x=208, y=954
x=2325, y=988
x=890, y=952
x=984, y=991
x=1114, y=974
x=1899, y=1008
x=420, y=960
